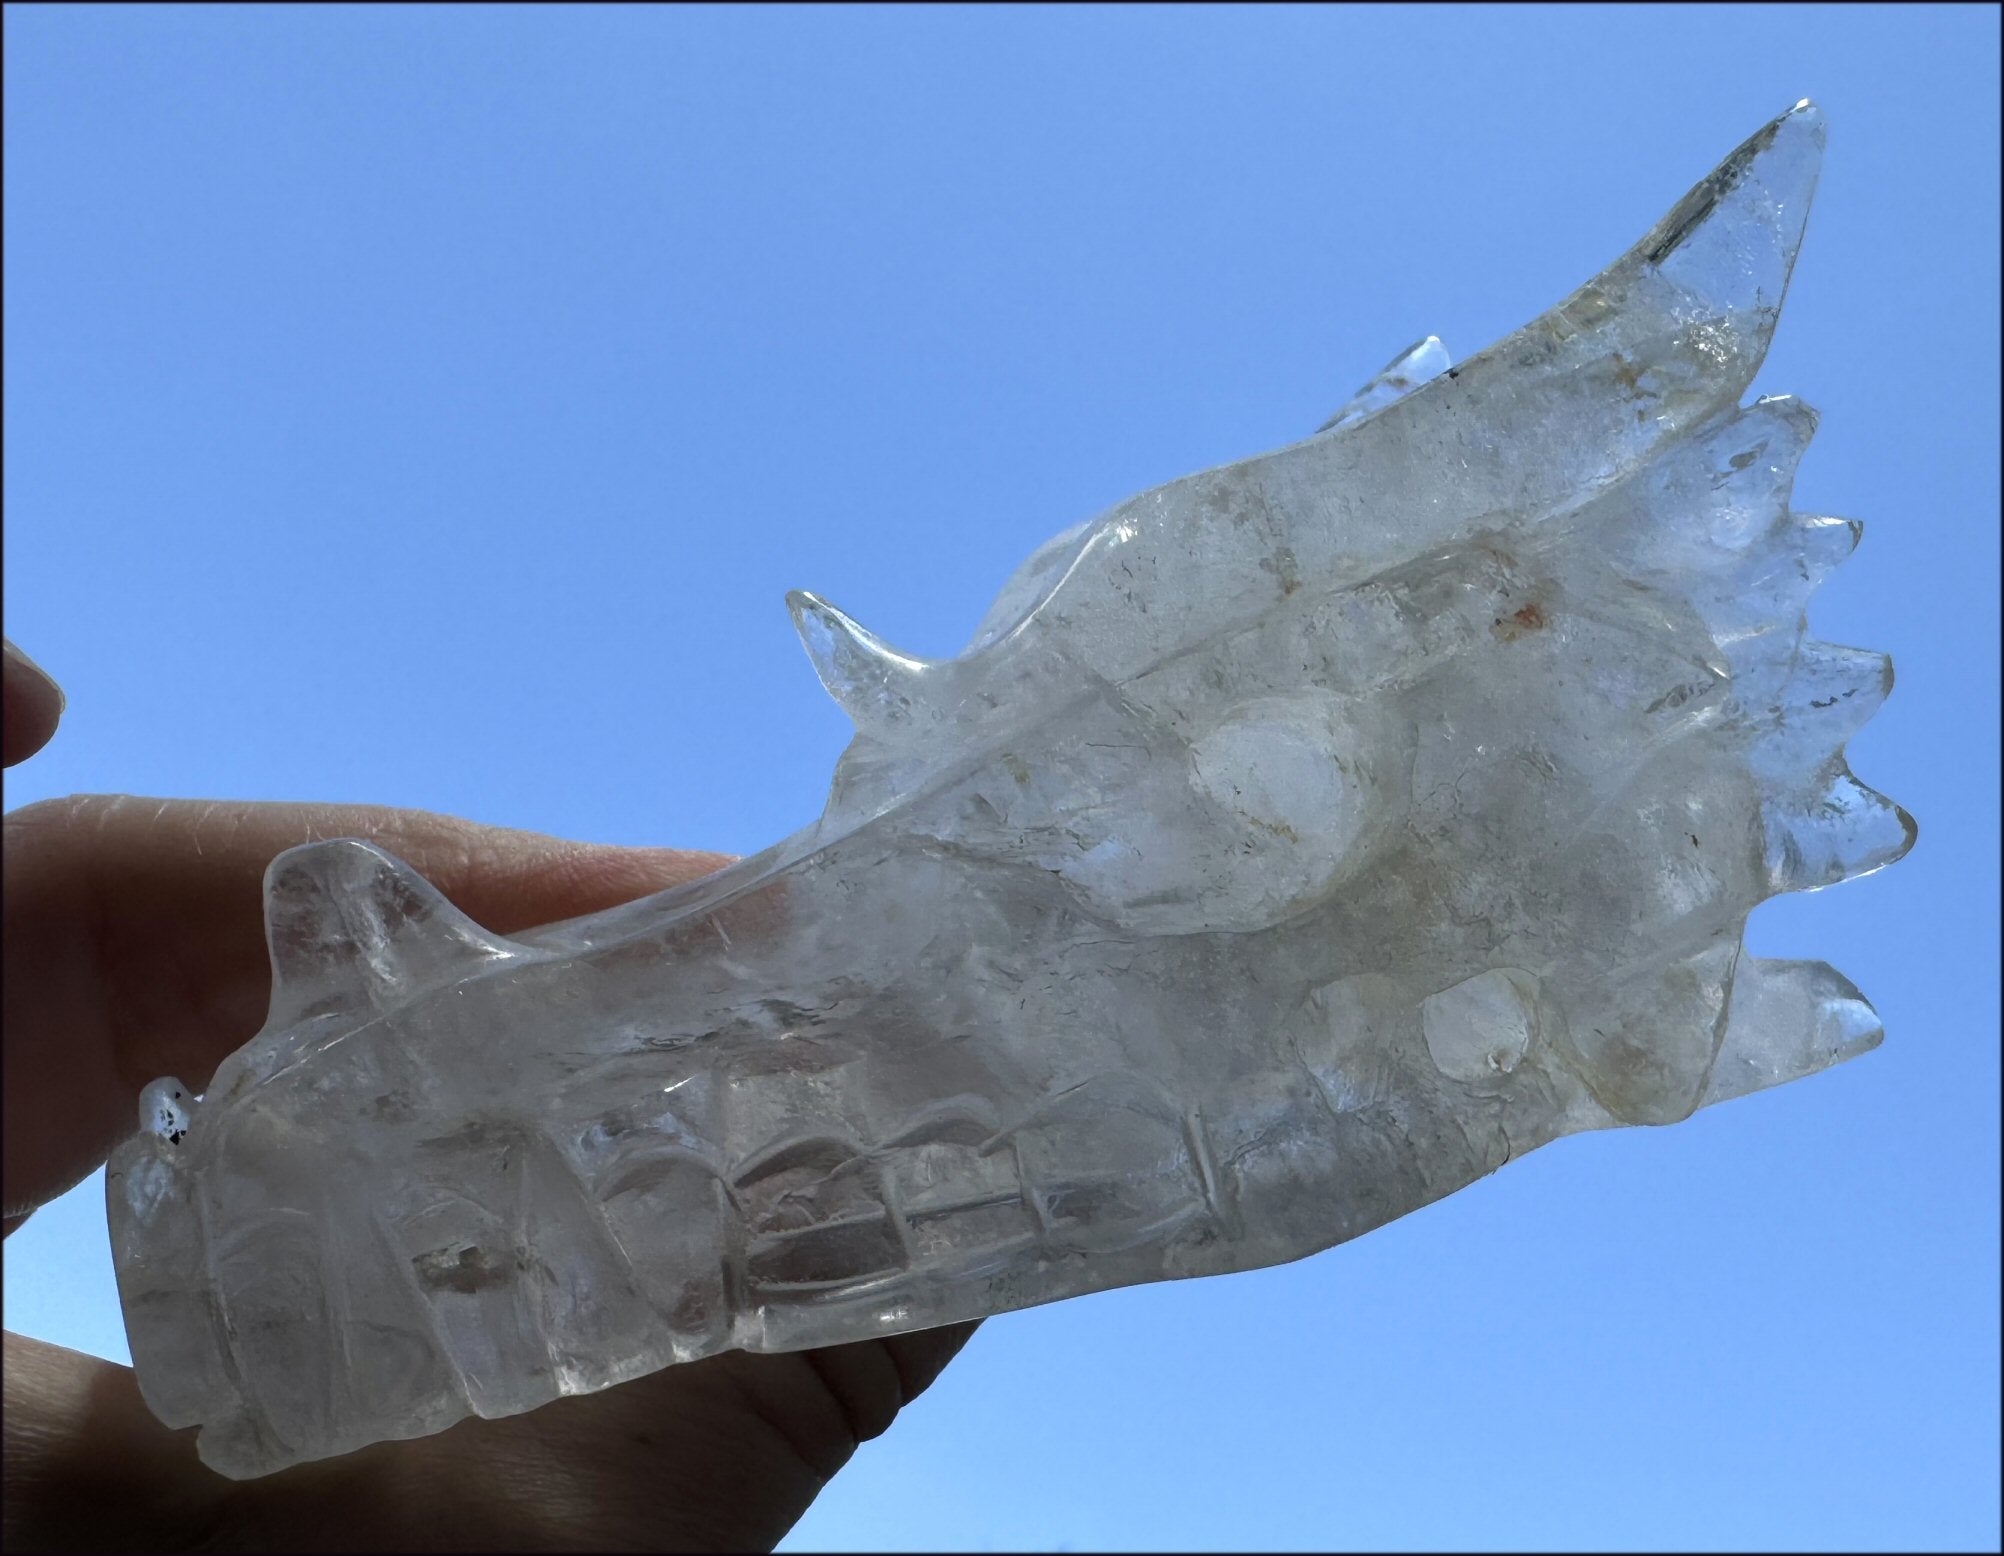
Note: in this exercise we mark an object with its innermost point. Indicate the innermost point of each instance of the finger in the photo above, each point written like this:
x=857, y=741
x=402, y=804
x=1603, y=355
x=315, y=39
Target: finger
x=721, y=1454
x=87, y=1465
x=829, y=1401
x=31, y=705
x=135, y=943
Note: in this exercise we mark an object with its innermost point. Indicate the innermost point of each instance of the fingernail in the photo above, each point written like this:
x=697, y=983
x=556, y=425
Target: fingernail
x=16, y=657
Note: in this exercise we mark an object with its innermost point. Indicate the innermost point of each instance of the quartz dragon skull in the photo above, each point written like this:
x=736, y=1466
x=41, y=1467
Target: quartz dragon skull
x=1294, y=844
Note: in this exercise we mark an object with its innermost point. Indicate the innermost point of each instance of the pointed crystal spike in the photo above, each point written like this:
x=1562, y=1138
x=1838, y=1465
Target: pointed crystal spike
x=1675, y=329
x=1710, y=519
x=1823, y=544
x=348, y=923
x=879, y=688
x=1767, y=596
x=1654, y=347
x=1733, y=239
x=1843, y=831
x=1419, y=363
x=1788, y=1019
x=1803, y=699
x=1835, y=691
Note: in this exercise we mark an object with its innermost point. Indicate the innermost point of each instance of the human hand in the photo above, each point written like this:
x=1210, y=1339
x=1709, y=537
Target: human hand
x=135, y=948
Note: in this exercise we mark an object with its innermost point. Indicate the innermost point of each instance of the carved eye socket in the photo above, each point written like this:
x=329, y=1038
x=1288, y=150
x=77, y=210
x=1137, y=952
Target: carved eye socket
x=1295, y=769
x=1276, y=804
x=1301, y=787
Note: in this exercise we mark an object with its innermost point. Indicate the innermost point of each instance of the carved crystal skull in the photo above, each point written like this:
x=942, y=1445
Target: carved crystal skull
x=1293, y=844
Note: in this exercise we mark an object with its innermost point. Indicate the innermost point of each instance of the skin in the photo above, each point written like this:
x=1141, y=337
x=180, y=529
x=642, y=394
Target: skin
x=135, y=948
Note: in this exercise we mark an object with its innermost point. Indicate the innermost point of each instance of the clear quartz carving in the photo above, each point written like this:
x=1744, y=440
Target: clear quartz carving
x=1294, y=844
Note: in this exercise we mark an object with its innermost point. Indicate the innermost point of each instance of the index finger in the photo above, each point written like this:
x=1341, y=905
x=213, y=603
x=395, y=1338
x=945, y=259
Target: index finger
x=31, y=705
x=135, y=943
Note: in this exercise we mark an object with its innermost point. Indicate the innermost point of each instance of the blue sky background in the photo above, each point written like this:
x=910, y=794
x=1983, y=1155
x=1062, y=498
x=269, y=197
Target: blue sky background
x=431, y=406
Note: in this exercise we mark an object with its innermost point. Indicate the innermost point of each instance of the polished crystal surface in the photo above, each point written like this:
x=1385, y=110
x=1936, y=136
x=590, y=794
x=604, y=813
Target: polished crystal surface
x=1294, y=844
